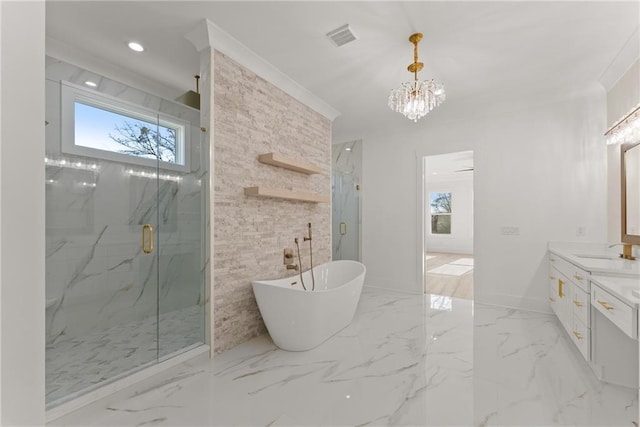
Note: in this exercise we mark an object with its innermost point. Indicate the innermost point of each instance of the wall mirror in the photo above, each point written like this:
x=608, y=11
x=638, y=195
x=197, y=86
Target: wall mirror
x=630, y=167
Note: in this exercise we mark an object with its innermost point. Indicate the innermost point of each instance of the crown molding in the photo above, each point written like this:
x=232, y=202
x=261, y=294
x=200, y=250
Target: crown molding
x=625, y=58
x=208, y=35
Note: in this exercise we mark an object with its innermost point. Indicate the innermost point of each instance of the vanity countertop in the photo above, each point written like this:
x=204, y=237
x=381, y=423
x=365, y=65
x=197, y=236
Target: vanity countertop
x=624, y=288
x=597, y=259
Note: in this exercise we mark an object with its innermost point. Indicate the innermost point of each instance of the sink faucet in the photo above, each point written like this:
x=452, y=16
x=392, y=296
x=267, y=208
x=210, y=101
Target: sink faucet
x=627, y=252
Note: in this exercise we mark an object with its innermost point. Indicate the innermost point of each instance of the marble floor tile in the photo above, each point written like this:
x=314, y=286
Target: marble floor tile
x=405, y=360
x=78, y=364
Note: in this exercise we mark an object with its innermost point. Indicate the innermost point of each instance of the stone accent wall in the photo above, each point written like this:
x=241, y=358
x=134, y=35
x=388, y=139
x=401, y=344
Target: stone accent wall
x=252, y=117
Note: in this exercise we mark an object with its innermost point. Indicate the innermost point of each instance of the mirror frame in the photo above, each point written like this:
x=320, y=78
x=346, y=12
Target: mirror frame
x=626, y=238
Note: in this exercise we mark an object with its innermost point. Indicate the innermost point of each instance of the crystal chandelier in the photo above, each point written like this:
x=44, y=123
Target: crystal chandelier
x=415, y=99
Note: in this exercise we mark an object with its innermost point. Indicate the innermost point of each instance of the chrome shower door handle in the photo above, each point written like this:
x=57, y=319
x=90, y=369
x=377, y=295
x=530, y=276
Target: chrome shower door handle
x=147, y=238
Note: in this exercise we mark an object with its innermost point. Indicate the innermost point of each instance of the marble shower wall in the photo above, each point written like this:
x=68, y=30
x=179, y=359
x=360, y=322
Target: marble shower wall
x=97, y=276
x=253, y=117
x=345, y=198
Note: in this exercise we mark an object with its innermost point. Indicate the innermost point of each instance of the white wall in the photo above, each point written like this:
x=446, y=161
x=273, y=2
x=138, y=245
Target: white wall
x=624, y=95
x=542, y=169
x=22, y=219
x=461, y=238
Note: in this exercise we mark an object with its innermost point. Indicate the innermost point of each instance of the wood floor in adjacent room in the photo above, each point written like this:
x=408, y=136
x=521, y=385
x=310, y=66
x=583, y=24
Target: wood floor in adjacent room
x=449, y=275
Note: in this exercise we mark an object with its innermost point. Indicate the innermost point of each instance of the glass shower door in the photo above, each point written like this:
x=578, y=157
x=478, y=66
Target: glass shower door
x=101, y=272
x=347, y=170
x=126, y=218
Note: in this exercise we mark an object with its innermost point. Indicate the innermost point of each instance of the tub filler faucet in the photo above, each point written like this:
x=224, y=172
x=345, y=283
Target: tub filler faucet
x=308, y=238
x=313, y=279
x=297, y=242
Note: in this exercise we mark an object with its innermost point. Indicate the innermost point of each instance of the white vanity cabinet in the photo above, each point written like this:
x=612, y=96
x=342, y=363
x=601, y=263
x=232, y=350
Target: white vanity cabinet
x=594, y=297
x=620, y=313
x=614, y=355
x=569, y=298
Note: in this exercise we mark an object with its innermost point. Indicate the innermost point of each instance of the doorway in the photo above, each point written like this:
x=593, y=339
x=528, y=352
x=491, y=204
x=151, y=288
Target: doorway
x=447, y=215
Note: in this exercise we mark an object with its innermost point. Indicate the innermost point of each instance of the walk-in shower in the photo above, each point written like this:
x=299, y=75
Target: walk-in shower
x=126, y=227
x=346, y=174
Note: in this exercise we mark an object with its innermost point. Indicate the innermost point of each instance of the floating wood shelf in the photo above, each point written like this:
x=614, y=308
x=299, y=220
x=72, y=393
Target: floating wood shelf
x=276, y=193
x=283, y=161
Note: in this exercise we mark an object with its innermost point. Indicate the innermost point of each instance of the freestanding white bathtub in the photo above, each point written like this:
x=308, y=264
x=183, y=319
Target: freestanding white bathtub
x=300, y=320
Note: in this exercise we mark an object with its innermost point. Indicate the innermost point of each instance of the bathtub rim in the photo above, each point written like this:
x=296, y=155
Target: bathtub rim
x=283, y=279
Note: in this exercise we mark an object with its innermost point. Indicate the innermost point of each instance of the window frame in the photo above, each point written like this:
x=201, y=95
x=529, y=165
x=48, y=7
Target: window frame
x=71, y=93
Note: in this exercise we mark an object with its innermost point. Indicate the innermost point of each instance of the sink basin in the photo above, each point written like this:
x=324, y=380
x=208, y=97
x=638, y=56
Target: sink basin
x=599, y=256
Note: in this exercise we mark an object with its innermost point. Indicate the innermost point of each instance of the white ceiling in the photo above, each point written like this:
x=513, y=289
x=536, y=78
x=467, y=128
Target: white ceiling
x=489, y=55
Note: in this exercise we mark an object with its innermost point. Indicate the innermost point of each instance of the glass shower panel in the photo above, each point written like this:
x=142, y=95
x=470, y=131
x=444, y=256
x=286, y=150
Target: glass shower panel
x=181, y=227
x=125, y=232
x=101, y=273
x=346, y=216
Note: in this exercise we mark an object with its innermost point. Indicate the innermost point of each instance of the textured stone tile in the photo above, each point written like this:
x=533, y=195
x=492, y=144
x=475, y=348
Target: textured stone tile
x=253, y=117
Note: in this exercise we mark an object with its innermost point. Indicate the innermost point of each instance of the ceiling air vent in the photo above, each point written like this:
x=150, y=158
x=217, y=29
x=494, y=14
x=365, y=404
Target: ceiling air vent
x=341, y=36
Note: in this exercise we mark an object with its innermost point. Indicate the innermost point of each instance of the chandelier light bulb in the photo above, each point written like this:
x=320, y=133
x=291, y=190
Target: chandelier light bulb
x=415, y=99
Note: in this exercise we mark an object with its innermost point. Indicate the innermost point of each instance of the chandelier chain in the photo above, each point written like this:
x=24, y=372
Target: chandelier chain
x=415, y=60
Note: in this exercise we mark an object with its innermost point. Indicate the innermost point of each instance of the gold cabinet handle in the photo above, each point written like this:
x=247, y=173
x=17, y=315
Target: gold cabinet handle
x=605, y=305
x=147, y=238
x=578, y=335
x=560, y=286
x=577, y=277
x=577, y=303
x=552, y=299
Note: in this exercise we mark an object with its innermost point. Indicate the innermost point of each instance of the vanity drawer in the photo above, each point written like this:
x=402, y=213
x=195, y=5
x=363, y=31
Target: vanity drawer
x=577, y=275
x=581, y=336
x=621, y=314
x=580, y=277
x=580, y=305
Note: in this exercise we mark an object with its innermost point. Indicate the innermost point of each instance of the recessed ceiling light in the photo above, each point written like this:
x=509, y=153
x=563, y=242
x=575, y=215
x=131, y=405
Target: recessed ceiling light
x=136, y=46
x=348, y=148
x=90, y=83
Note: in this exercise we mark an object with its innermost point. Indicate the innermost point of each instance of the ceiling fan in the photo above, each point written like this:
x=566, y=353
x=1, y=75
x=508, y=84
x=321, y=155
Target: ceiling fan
x=469, y=169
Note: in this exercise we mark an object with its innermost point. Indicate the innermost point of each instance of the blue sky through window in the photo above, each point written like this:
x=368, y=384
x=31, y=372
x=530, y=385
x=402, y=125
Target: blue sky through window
x=440, y=202
x=94, y=125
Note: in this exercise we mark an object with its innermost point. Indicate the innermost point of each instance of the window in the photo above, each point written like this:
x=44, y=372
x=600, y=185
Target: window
x=97, y=125
x=440, y=213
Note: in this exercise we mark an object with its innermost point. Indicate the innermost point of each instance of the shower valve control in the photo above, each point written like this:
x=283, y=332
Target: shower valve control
x=288, y=256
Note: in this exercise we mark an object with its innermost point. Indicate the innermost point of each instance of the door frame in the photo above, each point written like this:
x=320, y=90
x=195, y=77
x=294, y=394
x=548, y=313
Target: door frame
x=421, y=222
